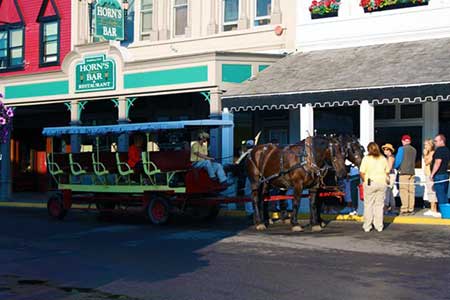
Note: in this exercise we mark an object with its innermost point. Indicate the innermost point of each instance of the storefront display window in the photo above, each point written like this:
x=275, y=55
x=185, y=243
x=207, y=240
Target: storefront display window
x=385, y=112
x=411, y=111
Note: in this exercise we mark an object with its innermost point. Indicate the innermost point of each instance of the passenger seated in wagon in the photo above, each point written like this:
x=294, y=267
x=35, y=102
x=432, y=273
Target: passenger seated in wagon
x=201, y=160
x=134, y=154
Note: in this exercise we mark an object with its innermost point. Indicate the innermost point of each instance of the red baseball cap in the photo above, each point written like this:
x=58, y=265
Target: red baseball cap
x=406, y=137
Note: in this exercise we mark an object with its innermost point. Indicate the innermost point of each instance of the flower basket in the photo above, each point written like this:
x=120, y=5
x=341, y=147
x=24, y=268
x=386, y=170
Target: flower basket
x=318, y=16
x=382, y=5
x=6, y=115
x=324, y=8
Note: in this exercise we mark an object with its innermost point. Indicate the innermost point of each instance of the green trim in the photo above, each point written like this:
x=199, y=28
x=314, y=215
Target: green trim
x=120, y=188
x=262, y=67
x=236, y=73
x=166, y=77
x=37, y=89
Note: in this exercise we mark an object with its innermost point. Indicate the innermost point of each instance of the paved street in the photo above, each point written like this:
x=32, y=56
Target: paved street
x=85, y=257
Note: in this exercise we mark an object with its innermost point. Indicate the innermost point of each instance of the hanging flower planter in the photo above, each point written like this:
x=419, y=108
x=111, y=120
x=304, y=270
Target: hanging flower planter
x=381, y=5
x=6, y=115
x=324, y=8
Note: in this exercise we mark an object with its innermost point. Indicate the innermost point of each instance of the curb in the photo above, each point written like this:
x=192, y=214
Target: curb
x=241, y=213
x=359, y=219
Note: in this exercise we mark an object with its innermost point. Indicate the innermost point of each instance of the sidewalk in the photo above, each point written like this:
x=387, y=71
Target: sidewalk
x=39, y=200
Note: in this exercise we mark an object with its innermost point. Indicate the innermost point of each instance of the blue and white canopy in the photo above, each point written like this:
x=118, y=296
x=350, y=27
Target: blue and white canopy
x=134, y=127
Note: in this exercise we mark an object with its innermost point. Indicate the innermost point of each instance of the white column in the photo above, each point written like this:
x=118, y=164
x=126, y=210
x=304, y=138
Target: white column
x=243, y=19
x=276, y=16
x=366, y=123
x=74, y=115
x=212, y=26
x=215, y=105
x=164, y=33
x=122, y=140
x=154, y=33
x=75, y=140
x=306, y=121
x=122, y=109
x=188, y=29
x=431, y=119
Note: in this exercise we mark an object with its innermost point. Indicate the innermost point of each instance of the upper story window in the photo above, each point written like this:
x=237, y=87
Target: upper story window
x=11, y=47
x=230, y=14
x=146, y=19
x=263, y=11
x=49, y=39
x=49, y=42
x=180, y=13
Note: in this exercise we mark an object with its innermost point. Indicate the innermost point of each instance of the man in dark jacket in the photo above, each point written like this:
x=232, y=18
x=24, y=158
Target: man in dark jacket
x=439, y=166
x=405, y=161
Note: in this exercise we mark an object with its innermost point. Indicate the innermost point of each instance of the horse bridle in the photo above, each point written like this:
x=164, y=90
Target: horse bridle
x=349, y=148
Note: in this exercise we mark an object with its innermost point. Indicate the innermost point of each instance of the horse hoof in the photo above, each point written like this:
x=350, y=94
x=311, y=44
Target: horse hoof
x=297, y=228
x=287, y=221
x=316, y=228
x=261, y=227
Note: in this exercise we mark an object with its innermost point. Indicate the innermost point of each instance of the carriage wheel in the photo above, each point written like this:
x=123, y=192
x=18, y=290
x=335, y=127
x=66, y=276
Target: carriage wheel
x=55, y=207
x=158, y=210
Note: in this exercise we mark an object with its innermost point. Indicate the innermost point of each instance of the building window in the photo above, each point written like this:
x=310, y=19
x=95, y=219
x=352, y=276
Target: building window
x=49, y=42
x=385, y=112
x=146, y=18
x=11, y=47
x=230, y=14
x=263, y=11
x=180, y=13
x=411, y=111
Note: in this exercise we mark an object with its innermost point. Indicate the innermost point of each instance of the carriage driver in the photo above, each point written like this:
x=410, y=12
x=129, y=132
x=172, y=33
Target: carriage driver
x=201, y=160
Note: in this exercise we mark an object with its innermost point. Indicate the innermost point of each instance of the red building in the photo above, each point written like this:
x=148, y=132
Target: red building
x=34, y=35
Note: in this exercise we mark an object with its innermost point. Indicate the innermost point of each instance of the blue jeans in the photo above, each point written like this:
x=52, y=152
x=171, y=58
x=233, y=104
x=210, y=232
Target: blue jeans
x=215, y=170
x=441, y=189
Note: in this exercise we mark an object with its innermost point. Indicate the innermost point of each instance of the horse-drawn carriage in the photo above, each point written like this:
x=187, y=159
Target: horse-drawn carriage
x=103, y=180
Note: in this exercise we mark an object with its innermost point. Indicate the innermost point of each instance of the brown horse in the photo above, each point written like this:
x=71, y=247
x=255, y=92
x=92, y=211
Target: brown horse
x=297, y=166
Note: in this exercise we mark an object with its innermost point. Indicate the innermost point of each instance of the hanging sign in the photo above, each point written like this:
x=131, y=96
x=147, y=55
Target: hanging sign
x=95, y=73
x=109, y=20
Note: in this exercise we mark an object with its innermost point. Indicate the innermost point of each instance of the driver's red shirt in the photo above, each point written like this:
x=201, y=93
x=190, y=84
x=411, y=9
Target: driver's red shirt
x=134, y=155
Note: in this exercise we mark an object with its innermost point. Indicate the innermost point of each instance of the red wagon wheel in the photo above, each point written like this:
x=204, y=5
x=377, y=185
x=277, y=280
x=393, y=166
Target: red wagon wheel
x=158, y=210
x=55, y=207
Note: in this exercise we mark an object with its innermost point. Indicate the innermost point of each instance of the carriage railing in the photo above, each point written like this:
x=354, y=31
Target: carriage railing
x=87, y=168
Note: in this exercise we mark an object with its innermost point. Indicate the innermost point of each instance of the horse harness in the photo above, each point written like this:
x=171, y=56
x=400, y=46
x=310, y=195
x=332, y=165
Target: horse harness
x=307, y=162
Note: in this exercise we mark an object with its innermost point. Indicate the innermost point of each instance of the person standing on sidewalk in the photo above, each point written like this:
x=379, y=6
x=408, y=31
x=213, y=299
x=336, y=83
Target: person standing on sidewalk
x=389, y=201
x=374, y=171
x=429, y=194
x=405, y=161
x=439, y=165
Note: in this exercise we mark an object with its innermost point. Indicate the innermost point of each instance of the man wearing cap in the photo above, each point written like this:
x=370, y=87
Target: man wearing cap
x=405, y=161
x=201, y=160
